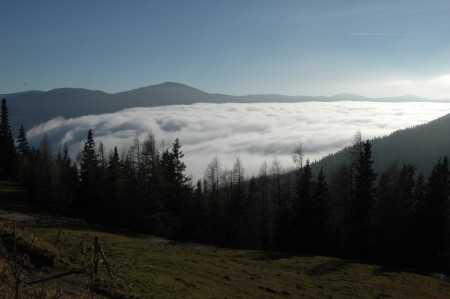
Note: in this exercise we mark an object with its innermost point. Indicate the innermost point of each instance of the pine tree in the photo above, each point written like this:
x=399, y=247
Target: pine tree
x=302, y=208
x=385, y=214
x=405, y=216
x=150, y=167
x=23, y=147
x=7, y=147
x=65, y=181
x=211, y=186
x=114, y=192
x=235, y=206
x=393, y=217
x=88, y=202
x=264, y=187
x=44, y=174
x=310, y=211
x=362, y=203
x=321, y=214
x=175, y=190
x=24, y=169
x=340, y=201
x=250, y=236
x=433, y=220
x=282, y=239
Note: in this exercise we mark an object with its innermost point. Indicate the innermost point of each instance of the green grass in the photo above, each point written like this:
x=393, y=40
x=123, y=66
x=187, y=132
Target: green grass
x=147, y=269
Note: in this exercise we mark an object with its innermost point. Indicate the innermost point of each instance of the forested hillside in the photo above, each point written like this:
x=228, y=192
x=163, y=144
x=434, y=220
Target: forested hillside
x=421, y=145
x=395, y=216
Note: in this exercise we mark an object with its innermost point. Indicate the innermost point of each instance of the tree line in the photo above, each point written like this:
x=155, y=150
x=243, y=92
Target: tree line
x=397, y=217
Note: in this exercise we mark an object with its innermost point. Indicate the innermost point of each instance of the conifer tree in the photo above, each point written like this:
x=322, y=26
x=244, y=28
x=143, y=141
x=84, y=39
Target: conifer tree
x=433, y=231
x=211, y=186
x=7, y=147
x=264, y=187
x=88, y=202
x=393, y=215
x=362, y=203
x=23, y=147
x=177, y=168
x=309, y=210
x=385, y=213
x=24, y=169
x=321, y=237
x=65, y=181
x=114, y=190
x=282, y=239
x=150, y=171
x=235, y=208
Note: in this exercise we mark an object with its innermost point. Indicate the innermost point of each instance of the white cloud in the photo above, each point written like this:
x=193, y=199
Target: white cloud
x=254, y=132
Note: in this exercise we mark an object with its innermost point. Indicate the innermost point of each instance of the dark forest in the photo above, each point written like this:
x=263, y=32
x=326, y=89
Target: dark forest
x=397, y=217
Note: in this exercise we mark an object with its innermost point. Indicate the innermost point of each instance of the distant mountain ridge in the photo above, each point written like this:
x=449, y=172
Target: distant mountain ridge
x=33, y=107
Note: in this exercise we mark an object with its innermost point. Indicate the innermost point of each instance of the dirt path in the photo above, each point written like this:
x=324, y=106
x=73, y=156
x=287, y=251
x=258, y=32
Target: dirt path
x=11, y=215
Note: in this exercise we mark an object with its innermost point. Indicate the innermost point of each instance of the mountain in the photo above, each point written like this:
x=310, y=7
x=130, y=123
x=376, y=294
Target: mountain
x=420, y=145
x=33, y=107
x=349, y=97
x=405, y=98
x=168, y=93
x=20, y=93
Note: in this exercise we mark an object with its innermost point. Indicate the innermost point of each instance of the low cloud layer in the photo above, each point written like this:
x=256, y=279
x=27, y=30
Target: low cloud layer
x=253, y=132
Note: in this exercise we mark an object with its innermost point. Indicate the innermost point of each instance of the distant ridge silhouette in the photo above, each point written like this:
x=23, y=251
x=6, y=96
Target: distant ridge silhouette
x=32, y=107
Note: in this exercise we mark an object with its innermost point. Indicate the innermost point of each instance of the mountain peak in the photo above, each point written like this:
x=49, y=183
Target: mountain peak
x=166, y=88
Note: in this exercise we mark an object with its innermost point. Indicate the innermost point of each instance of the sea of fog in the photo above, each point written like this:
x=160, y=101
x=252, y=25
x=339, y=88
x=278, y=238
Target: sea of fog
x=253, y=132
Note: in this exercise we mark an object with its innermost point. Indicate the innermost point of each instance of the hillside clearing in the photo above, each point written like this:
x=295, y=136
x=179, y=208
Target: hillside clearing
x=150, y=267
x=144, y=268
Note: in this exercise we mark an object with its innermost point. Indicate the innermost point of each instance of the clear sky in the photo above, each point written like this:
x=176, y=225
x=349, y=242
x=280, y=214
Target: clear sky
x=317, y=47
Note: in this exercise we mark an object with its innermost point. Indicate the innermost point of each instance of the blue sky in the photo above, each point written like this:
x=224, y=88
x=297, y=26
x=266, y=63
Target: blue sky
x=373, y=48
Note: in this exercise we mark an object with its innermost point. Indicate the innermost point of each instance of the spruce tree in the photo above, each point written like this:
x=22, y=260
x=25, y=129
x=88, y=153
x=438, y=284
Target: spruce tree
x=362, y=203
x=88, y=202
x=115, y=185
x=23, y=147
x=178, y=166
x=321, y=214
x=7, y=147
x=24, y=173
x=433, y=220
x=264, y=188
x=304, y=210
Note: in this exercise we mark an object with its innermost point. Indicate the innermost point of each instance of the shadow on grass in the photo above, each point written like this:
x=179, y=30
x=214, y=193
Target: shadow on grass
x=329, y=266
x=271, y=255
x=383, y=270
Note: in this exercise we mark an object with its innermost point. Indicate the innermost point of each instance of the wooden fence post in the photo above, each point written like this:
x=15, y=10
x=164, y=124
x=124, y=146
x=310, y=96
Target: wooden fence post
x=106, y=262
x=96, y=260
x=57, y=238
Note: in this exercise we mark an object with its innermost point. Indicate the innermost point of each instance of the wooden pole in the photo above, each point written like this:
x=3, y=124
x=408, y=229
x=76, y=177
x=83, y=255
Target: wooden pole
x=96, y=251
x=57, y=238
x=106, y=262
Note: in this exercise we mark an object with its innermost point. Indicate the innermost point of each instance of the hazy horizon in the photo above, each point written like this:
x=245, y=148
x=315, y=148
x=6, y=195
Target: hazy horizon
x=243, y=95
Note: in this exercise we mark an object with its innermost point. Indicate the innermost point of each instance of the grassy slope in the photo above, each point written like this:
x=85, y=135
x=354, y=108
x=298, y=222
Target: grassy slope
x=148, y=268
x=145, y=267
